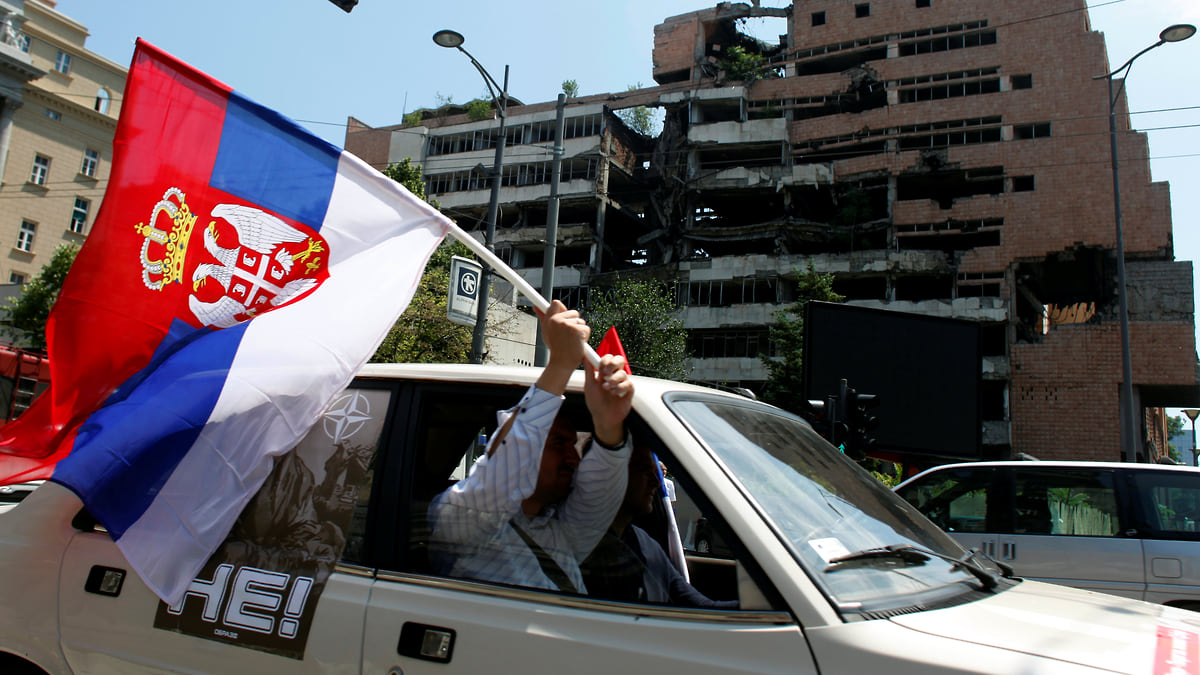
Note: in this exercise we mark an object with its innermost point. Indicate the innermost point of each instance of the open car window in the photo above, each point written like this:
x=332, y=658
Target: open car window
x=447, y=433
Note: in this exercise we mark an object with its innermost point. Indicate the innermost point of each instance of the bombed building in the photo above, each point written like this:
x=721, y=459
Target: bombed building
x=919, y=150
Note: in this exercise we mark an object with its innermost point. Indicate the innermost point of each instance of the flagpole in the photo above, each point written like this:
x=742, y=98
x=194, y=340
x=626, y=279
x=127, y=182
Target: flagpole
x=492, y=260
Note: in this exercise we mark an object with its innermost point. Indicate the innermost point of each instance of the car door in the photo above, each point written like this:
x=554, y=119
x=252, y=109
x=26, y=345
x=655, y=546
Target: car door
x=420, y=622
x=287, y=592
x=1167, y=507
x=1067, y=529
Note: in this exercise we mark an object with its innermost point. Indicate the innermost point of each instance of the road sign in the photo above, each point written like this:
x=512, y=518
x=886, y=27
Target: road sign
x=463, y=303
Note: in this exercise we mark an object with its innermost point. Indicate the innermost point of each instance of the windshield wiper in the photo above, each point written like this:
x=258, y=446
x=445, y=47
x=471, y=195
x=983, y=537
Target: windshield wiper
x=913, y=555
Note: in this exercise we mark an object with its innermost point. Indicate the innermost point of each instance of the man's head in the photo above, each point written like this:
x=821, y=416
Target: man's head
x=560, y=458
x=643, y=485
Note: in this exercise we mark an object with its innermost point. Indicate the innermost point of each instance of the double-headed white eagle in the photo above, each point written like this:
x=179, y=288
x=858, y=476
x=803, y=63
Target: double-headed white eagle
x=257, y=231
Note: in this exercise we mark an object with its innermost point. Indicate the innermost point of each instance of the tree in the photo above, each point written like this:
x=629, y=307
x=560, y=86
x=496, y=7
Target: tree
x=423, y=333
x=785, y=373
x=570, y=88
x=1174, y=428
x=644, y=314
x=29, y=311
x=640, y=118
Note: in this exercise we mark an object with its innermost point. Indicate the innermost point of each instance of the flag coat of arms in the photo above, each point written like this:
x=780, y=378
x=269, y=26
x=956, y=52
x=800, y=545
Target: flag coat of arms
x=240, y=271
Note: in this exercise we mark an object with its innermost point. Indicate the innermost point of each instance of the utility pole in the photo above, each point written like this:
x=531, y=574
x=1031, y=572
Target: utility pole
x=541, y=354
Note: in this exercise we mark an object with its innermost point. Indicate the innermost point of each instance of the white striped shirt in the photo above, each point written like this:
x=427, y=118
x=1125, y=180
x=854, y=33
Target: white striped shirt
x=471, y=536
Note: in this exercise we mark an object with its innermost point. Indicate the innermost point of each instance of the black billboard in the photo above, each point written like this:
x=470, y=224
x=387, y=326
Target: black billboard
x=925, y=370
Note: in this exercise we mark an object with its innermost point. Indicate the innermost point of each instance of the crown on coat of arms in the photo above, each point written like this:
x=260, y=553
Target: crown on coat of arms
x=164, y=252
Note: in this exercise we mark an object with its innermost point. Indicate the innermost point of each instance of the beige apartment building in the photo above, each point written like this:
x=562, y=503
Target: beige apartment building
x=61, y=104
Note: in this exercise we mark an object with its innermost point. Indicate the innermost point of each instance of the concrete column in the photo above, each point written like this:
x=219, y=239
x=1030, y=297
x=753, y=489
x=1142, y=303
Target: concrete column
x=7, y=110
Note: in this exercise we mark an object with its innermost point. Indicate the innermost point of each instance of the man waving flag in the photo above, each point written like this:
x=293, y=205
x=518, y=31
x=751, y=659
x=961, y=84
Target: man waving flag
x=240, y=272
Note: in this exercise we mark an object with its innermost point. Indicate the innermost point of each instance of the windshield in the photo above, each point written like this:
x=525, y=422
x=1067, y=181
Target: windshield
x=822, y=504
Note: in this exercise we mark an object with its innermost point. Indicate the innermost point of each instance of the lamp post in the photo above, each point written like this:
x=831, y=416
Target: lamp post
x=1129, y=423
x=499, y=93
x=1192, y=413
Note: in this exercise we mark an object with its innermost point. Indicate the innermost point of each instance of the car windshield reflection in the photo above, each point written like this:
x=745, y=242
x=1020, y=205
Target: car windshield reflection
x=820, y=503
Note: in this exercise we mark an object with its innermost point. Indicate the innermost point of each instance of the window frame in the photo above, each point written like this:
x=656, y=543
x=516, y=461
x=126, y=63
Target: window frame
x=62, y=62
x=26, y=236
x=91, y=163
x=78, y=223
x=40, y=174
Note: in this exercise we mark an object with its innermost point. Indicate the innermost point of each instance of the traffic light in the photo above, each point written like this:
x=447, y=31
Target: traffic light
x=860, y=422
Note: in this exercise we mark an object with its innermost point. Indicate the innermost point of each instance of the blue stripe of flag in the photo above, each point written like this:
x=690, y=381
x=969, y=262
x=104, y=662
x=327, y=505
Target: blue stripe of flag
x=274, y=163
x=133, y=445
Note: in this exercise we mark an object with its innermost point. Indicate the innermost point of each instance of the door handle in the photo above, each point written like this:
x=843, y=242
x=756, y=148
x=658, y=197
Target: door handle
x=429, y=643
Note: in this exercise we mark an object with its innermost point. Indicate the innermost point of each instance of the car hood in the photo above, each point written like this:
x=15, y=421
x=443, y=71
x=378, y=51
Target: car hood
x=1074, y=626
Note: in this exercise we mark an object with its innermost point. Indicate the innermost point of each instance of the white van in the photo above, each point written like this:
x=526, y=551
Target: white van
x=327, y=571
x=1120, y=528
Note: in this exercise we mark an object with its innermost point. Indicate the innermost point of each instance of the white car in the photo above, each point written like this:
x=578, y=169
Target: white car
x=11, y=495
x=327, y=570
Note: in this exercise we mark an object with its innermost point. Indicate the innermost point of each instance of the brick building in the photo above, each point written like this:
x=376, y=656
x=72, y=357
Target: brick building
x=923, y=151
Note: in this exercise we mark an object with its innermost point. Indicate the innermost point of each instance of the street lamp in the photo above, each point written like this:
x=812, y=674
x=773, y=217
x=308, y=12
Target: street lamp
x=1192, y=413
x=1129, y=423
x=452, y=40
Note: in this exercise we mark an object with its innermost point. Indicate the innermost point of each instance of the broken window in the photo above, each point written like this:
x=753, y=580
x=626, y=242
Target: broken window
x=922, y=3
x=915, y=288
x=951, y=132
x=946, y=186
x=948, y=42
x=1022, y=132
x=862, y=11
x=723, y=293
x=1067, y=287
x=1022, y=183
x=724, y=343
x=818, y=18
x=861, y=288
x=1022, y=81
x=950, y=235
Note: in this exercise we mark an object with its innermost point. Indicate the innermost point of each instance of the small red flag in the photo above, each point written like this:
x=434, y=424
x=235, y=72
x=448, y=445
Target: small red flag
x=611, y=344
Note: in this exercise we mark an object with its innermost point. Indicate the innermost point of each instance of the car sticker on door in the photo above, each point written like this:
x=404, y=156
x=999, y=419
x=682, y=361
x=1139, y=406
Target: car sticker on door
x=261, y=587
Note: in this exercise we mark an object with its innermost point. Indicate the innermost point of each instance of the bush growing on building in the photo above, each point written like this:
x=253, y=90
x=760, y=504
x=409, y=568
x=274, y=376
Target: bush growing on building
x=479, y=110
x=570, y=88
x=745, y=66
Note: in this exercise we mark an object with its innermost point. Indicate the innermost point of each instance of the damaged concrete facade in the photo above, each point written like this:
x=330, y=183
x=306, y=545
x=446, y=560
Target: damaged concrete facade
x=920, y=150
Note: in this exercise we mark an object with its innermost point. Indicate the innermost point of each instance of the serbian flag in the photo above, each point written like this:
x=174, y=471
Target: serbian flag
x=239, y=273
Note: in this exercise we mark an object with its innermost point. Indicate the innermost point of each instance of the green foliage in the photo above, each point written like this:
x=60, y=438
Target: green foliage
x=887, y=473
x=644, y=313
x=414, y=118
x=28, y=311
x=639, y=119
x=785, y=373
x=740, y=64
x=423, y=333
x=570, y=88
x=479, y=109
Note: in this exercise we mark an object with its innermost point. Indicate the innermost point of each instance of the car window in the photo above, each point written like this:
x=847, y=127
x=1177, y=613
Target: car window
x=448, y=435
x=1169, y=501
x=1074, y=502
x=956, y=500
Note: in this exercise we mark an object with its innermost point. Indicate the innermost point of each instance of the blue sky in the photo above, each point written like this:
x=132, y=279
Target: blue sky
x=315, y=63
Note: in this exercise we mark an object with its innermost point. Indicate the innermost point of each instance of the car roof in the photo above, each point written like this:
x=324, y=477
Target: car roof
x=519, y=376
x=1053, y=464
